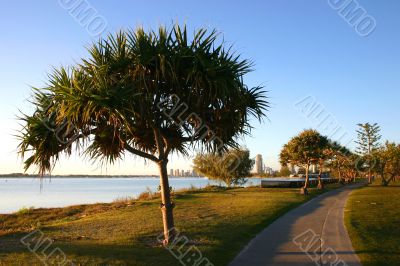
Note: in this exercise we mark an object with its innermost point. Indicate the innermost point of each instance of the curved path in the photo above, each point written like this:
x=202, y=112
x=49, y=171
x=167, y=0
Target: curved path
x=312, y=234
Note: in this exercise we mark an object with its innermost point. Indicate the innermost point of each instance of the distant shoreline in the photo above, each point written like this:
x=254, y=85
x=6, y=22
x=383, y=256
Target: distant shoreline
x=87, y=176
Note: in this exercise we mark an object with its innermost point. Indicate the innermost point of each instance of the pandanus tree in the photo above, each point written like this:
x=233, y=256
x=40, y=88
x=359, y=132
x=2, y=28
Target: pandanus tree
x=387, y=162
x=149, y=94
x=304, y=150
x=338, y=157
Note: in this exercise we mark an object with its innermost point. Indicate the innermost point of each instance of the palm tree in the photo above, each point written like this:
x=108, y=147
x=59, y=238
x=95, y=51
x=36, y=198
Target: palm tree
x=150, y=94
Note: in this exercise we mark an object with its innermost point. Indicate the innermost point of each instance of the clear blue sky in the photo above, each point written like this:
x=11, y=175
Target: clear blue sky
x=300, y=49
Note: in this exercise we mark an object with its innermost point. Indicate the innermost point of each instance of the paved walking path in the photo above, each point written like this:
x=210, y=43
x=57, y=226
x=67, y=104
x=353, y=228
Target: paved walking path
x=312, y=234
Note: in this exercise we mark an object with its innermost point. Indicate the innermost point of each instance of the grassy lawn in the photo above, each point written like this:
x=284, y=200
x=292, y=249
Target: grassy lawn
x=373, y=222
x=218, y=222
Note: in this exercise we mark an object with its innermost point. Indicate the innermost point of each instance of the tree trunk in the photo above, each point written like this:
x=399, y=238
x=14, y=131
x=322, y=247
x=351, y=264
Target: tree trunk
x=166, y=205
x=386, y=182
x=369, y=177
x=320, y=184
x=307, y=178
x=304, y=190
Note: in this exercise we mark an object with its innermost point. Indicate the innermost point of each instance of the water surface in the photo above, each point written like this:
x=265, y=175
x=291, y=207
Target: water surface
x=17, y=193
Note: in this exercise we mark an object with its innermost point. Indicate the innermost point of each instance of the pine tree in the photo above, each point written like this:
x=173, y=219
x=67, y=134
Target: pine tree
x=368, y=141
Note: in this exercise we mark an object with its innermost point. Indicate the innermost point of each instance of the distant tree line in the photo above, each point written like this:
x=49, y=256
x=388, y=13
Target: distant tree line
x=370, y=158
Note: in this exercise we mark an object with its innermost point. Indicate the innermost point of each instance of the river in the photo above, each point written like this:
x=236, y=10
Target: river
x=17, y=193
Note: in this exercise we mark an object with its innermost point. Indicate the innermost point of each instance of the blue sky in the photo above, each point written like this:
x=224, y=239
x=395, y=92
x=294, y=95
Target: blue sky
x=301, y=49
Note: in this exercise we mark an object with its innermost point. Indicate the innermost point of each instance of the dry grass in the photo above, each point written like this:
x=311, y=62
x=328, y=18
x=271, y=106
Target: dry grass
x=218, y=221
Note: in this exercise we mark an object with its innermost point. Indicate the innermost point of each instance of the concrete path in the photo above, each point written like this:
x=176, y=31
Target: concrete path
x=312, y=234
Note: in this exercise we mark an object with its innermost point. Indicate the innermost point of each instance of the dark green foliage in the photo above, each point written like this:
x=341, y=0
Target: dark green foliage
x=368, y=142
x=368, y=138
x=309, y=147
x=304, y=149
x=125, y=95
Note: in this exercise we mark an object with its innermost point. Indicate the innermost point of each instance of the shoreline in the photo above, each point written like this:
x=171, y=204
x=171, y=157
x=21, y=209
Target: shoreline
x=93, y=176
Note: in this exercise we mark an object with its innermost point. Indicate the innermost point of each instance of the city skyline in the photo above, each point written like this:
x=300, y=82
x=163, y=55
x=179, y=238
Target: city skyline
x=182, y=173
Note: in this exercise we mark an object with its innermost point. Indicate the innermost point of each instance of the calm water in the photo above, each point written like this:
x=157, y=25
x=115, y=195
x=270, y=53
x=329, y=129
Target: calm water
x=16, y=193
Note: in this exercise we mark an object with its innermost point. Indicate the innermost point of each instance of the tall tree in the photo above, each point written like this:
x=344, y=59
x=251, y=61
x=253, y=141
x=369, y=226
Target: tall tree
x=368, y=141
x=231, y=167
x=148, y=94
x=303, y=150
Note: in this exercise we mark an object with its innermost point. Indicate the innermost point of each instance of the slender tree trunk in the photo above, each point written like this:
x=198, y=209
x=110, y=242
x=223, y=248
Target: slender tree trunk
x=386, y=182
x=369, y=177
x=304, y=190
x=166, y=204
x=320, y=184
x=307, y=178
x=382, y=178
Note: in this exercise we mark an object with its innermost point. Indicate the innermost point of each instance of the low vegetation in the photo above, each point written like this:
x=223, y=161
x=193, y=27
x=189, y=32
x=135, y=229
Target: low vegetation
x=372, y=218
x=218, y=221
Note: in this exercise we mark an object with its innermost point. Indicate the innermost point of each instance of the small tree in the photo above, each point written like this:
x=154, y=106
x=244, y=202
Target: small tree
x=232, y=167
x=388, y=162
x=368, y=142
x=351, y=169
x=285, y=171
x=149, y=94
x=339, y=158
x=324, y=156
x=304, y=150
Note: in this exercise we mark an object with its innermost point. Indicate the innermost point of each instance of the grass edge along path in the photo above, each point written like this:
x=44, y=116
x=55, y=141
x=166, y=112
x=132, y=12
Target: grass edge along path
x=219, y=222
x=372, y=219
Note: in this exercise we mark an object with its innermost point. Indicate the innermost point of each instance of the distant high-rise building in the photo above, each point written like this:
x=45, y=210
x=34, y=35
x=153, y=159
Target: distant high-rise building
x=171, y=172
x=259, y=164
x=176, y=173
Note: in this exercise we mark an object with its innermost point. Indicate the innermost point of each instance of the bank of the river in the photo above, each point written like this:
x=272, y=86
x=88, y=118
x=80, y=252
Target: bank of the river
x=23, y=192
x=218, y=222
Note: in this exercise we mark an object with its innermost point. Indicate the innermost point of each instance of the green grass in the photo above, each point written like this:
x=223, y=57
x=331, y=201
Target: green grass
x=373, y=220
x=218, y=221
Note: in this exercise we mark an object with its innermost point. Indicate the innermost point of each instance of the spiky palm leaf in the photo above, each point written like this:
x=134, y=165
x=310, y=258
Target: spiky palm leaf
x=125, y=93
